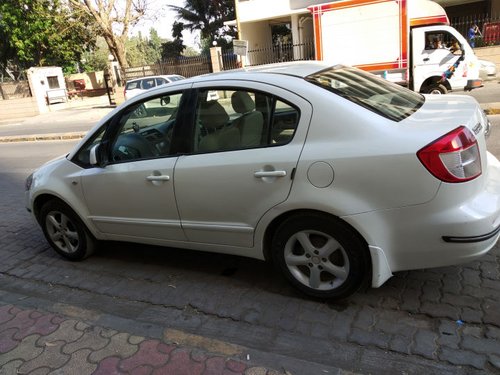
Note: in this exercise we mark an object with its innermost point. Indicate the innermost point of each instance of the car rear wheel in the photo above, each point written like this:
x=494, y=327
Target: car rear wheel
x=65, y=232
x=321, y=256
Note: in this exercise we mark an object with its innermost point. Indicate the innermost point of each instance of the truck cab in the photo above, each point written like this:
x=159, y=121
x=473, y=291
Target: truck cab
x=442, y=61
x=408, y=42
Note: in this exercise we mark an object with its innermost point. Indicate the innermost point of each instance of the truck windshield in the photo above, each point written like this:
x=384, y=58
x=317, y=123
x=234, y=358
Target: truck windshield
x=365, y=89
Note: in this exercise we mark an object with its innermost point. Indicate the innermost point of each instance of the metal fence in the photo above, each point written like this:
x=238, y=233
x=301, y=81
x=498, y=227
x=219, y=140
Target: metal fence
x=488, y=28
x=281, y=52
x=185, y=66
x=14, y=90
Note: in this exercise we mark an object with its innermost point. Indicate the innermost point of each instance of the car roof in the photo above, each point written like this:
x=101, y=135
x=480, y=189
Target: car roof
x=299, y=69
x=156, y=76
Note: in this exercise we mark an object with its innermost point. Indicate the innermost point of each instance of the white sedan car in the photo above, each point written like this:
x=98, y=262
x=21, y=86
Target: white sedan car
x=335, y=175
x=137, y=86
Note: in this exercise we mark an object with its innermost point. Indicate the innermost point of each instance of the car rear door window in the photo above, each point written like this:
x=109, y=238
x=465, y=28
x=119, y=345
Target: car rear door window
x=233, y=119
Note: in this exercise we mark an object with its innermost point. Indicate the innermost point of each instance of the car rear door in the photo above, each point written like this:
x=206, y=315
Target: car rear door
x=224, y=185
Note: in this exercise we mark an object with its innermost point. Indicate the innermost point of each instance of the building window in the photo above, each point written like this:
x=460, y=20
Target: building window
x=53, y=82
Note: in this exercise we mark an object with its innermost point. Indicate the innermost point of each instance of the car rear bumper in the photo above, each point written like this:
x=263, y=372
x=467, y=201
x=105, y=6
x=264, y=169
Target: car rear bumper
x=450, y=229
x=473, y=84
x=472, y=239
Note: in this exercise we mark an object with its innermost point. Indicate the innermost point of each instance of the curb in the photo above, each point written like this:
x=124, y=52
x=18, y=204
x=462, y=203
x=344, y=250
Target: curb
x=42, y=137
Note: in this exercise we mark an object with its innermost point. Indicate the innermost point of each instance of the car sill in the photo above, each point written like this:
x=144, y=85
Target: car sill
x=472, y=239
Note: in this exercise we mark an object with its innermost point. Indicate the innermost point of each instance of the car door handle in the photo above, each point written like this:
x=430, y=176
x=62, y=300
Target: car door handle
x=261, y=174
x=426, y=59
x=162, y=177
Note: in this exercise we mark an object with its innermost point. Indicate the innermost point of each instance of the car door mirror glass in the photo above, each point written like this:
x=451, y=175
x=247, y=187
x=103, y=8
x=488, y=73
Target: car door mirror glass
x=97, y=157
x=93, y=155
x=165, y=100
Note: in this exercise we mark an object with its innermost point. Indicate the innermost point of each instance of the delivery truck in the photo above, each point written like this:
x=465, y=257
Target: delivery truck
x=409, y=42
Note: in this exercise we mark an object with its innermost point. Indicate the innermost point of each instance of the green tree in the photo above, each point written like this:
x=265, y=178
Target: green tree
x=114, y=19
x=96, y=58
x=173, y=49
x=144, y=51
x=208, y=17
x=43, y=32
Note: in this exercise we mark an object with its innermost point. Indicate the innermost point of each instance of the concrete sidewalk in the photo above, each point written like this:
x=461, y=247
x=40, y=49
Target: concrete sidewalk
x=70, y=120
x=34, y=342
x=71, y=341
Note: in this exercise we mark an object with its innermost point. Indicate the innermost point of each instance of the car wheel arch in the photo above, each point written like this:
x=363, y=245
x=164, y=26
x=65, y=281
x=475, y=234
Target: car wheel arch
x=432, y=81
x=42, y=199
x=317, y=219
x=276, y=222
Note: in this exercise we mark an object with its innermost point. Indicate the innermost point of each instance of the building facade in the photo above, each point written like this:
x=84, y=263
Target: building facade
x=281, y=30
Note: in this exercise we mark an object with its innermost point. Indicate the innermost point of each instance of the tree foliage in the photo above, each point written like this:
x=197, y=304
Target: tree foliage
x=144, y=51
x=42, y=32
x=114, y=19
x=208, y=17
x=173, y=49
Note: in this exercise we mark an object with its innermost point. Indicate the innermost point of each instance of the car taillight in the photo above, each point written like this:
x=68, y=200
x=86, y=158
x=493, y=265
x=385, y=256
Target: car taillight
x=454, y=157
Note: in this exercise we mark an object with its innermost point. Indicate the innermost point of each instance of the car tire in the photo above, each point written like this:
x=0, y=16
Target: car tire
x=321, y=256
x=65, y=232
x=437, y=89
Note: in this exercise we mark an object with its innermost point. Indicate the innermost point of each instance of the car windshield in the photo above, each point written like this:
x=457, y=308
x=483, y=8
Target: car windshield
x=365, y=89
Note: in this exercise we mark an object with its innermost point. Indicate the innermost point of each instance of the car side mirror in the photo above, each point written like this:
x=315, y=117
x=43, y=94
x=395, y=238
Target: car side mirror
x=97, y=157
x=165, y=100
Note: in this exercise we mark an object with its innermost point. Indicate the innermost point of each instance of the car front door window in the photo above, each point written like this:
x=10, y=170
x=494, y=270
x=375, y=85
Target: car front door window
x=145, y=129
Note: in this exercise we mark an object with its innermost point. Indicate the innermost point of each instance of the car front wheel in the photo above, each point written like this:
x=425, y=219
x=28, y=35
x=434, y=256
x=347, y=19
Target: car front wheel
x=321, y=256
x=65, y=232
x=437, y=89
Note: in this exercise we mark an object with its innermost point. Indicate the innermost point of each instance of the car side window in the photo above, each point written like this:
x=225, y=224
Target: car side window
x=442, y=40
x=132, y=85
x=145, y=129
x=235, y=119
x=148, y=83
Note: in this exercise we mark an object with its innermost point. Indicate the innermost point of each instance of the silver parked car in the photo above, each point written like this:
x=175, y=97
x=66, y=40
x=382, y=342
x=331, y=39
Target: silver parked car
x=487, y=69
x=137, y=86
x=335, y=175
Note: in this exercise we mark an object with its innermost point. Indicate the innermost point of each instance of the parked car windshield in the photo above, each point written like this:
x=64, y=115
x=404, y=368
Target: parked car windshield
x=365, y=89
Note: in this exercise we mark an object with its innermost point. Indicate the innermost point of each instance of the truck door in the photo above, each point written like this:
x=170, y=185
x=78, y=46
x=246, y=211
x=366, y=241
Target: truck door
x=435, y=52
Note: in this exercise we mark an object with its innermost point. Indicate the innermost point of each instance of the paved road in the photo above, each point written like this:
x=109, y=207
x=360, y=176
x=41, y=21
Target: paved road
x=63, y=121
x=432, y=321
x=490, y=93
x=439, y=321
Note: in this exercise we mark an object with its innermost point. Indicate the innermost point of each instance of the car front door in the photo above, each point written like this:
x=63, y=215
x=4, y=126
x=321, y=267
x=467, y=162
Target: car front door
x=133, y=195
x=245, y=146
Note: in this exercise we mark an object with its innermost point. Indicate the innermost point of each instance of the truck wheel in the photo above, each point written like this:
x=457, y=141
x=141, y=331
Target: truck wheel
x=437, y=89
x=321, y=256
x=65, y=232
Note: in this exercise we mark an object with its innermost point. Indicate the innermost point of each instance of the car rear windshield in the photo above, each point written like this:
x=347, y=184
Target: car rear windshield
x=369, y=91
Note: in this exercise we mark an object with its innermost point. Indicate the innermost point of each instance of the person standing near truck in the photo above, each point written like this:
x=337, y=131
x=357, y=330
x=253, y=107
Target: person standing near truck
x=471, y=35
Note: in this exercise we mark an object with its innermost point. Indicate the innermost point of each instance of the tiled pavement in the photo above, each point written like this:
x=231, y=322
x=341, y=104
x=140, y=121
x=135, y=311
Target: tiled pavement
x=41, y=343
x=446, y=320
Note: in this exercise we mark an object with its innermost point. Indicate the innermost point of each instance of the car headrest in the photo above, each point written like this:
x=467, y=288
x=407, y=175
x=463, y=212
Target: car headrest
x=242, y=102
x=213, y=115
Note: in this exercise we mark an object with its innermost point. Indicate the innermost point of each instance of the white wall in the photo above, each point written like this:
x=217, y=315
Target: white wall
x=256, y=10
x=258, y=34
